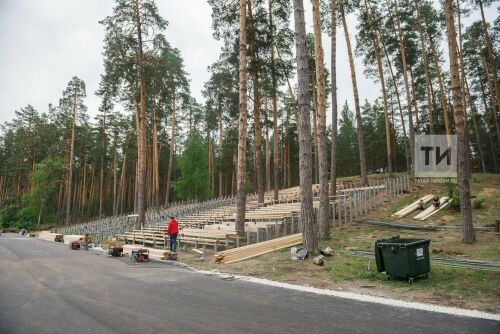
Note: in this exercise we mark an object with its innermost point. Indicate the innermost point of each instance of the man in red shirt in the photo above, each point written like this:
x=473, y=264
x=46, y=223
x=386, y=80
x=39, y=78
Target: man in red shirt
x=172, y=230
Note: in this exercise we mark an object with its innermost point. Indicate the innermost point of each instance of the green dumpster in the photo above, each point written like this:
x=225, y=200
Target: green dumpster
x=403, y=258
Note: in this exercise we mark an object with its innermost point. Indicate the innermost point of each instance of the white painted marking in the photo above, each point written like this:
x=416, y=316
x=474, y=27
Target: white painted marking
x=363, y=298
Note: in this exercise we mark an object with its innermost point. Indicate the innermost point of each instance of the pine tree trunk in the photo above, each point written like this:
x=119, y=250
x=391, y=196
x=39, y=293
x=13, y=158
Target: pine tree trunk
x=122, y=187
x=156, y=179
x=315, y=130
x=287, y=152
x=333, y=70
x=324, y=227
x=414, y=102
x=172, y=150
x=101, y=179
x=306, y=218
x=491, y=55
x=242, y=125
x=359, y=120
x=462, y=78
x=84, y=188
x=376, y=47
x=209, y=162
x=275, y=107
x=90, y=209
x=426, y=74
x=444, y=105
x=220, y=156
x=494, y=104
x=268, y=152
x=400, y=108
x=256, y=107
x=141, y=127
x=489, y=125
x=478, y=139
x=115, y=174
x=70, y=163
x=283, y=155
x=411, y=129
x=463, y=172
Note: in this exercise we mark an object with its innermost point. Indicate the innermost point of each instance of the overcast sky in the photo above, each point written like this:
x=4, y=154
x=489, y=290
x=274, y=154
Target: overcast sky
x=45, y=43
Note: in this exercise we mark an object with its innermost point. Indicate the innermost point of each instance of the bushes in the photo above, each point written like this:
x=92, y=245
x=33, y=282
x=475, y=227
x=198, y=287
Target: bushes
x=454, y=197
x=8, y=216
x=11, y=216
x=453, y=194
x=26, y=218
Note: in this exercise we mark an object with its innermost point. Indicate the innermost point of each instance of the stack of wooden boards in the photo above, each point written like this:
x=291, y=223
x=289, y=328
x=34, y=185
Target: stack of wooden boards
x=247, y=252
x=412, y=207
x=159, y=254
x=49, y=236
x=443, y=202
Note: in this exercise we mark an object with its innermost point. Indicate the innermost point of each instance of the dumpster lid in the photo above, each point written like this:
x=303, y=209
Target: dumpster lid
x=401, y=242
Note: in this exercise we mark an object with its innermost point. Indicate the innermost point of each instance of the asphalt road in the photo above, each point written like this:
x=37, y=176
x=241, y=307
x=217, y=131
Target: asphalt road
x=46, y=288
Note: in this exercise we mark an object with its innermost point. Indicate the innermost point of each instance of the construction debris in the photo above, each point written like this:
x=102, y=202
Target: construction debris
x=198, y=251
x=327, y=251
x=318, y=260
x=293, y=253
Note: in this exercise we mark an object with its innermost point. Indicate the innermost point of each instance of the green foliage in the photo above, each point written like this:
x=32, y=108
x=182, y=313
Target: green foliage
x=193, y=163
x=45, y=181
x=347, y=143
x=26, y=218
x=453, y=194
x=248, y=184
x=8, y=216
x=478, y=203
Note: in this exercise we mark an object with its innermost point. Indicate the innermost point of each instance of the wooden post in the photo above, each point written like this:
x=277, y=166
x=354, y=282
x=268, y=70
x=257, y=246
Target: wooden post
x=345, y=211
x=358, y=204
x=350, y=208
x=333, y=211
x=365, y=198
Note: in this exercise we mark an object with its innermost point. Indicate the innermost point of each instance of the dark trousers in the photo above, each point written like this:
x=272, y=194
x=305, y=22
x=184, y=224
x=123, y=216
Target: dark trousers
x=173, y=243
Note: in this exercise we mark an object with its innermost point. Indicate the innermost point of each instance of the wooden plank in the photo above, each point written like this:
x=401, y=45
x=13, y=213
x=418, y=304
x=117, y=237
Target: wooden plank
x=441, y=206
x=412, y=207
x=250, y=251
x=430, y=209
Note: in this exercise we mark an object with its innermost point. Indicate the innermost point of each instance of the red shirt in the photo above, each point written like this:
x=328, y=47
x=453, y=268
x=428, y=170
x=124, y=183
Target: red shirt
x=172, y=227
